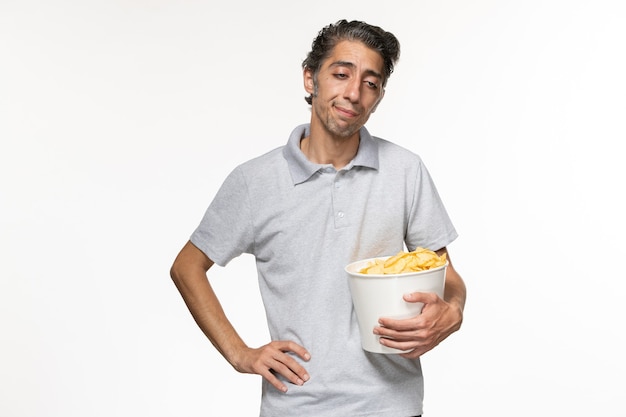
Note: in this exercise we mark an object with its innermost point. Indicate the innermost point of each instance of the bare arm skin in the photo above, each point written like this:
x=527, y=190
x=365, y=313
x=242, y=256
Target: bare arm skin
x=189, y=273
x=439, y=319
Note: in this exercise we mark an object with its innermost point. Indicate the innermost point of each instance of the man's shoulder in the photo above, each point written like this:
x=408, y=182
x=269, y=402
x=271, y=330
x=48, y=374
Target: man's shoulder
x=268, y=164
x=391, y=150
x=268, y=157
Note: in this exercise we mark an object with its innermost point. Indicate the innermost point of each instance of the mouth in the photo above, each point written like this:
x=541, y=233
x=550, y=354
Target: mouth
x=345, y=112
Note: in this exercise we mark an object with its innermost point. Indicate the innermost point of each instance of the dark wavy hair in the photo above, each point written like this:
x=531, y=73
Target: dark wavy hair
x=385, y=43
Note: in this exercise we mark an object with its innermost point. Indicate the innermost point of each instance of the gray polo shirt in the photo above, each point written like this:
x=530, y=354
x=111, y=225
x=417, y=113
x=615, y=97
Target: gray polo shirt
x=304, y=222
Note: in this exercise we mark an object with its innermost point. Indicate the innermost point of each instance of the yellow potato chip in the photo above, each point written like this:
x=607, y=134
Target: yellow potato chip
x=420, y=259
x=377, y=267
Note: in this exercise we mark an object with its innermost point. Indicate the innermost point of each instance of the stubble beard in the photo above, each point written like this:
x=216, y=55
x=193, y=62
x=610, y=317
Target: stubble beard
x=339, y=130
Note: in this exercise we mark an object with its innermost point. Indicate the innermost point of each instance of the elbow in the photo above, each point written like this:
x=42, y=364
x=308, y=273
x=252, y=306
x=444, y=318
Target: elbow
x=175, y=273
x=189, y=262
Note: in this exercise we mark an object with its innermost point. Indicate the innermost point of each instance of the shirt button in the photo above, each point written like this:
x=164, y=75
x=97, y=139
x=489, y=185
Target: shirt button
x=340, y=214
x=337, y=185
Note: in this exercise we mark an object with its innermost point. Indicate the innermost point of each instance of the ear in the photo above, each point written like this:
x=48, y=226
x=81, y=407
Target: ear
x=309, y=83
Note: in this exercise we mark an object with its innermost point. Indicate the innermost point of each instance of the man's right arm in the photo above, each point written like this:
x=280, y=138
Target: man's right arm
x=189, y=273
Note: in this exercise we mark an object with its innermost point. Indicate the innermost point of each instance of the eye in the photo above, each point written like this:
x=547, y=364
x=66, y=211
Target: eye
x=371, y=85
x=341, y=75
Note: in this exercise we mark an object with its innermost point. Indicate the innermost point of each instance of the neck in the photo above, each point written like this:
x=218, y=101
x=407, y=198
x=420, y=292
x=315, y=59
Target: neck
x=328, y=149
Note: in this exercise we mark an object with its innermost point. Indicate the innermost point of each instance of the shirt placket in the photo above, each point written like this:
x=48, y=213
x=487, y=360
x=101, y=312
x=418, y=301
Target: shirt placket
x=340, y=201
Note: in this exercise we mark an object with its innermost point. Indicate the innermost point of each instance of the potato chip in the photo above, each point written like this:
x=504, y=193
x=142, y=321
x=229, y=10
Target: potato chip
x=420, y=259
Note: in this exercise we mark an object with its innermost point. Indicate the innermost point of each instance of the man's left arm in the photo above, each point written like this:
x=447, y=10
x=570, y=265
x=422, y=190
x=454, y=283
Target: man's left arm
x=438, y=320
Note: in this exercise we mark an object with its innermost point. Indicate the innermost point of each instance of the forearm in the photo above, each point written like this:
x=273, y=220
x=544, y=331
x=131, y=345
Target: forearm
x=209, y=315
x=455, y=291
x=190, y=277
x=451, y=314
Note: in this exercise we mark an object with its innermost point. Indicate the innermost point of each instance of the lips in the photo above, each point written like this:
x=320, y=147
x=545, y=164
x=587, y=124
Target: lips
x=346, y=112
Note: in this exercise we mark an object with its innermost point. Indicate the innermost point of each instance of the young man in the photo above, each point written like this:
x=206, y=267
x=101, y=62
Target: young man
x=332, y=195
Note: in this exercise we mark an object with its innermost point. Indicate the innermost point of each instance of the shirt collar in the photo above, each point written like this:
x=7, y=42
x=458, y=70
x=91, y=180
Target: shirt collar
x=302, y=169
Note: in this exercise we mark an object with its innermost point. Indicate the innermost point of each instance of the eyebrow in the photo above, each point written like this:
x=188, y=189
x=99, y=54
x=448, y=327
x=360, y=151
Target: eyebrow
x=351, y=65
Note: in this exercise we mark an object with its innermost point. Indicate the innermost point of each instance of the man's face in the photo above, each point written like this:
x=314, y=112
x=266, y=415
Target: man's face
x=349, y=87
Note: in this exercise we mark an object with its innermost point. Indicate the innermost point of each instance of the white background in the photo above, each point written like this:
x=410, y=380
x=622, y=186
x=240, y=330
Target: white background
x=120, y=119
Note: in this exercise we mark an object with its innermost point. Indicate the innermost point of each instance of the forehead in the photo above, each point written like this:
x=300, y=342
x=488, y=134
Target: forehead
x=357, y=54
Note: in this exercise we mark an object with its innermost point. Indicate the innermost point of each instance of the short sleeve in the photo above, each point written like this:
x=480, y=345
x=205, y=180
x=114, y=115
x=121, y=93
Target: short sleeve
x=226, y=231
x=429, y=225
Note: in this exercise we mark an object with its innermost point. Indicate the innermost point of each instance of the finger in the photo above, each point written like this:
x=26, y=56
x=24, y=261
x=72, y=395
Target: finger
x=418, y=351
x=411, y=348
x=404, y=325
x=421, y=297
x=273, y=366
x=295, y=348
x=399, y=335
x=414, y=354
x=286, y=372
x=294, y=371
x=414, y=347
x=285, y=364
x=408, y=346
x=271, y=378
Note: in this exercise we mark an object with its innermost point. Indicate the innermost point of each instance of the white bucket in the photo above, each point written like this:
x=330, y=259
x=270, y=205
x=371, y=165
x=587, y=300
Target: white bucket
x=376, y=296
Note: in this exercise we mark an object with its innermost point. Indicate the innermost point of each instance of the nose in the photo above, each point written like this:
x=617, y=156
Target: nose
x=353, y=90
